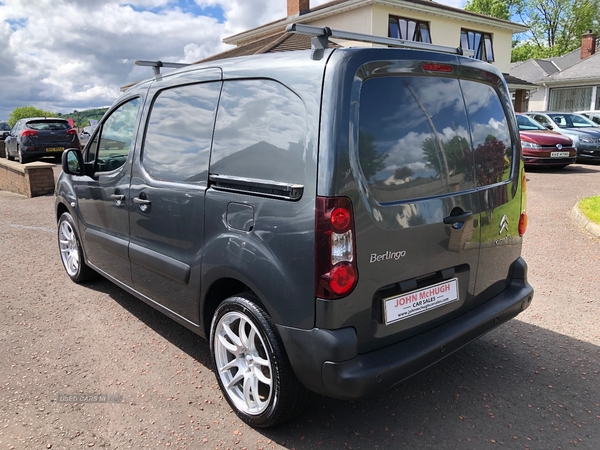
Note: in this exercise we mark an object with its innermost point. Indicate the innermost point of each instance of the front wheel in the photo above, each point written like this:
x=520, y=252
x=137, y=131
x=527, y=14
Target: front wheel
x=251, y=365
x=71, y=253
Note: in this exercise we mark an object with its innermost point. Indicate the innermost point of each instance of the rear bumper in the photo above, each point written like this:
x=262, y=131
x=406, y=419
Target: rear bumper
x=326, y=361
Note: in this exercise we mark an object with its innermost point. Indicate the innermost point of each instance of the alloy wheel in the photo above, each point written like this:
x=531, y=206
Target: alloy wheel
x=243, y=363
x=69, y=250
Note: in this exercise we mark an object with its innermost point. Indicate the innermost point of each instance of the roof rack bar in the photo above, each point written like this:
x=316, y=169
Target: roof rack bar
x=156, y=65
x=322, y=34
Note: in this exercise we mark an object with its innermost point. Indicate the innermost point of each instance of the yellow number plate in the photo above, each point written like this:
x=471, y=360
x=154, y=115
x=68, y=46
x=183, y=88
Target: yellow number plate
x=55, y=149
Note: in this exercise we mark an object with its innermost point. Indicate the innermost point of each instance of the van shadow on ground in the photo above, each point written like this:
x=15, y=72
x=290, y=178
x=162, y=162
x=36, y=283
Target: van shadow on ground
x=520, y=386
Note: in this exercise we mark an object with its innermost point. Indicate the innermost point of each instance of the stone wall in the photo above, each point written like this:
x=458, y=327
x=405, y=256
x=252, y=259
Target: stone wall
x=31, y=180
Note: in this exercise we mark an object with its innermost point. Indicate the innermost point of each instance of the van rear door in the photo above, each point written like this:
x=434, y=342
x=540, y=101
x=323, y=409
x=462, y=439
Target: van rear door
x=417, y=220
x=432, y=165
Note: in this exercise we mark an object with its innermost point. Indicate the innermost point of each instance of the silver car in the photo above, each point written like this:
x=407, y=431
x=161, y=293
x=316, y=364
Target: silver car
x=584, y=133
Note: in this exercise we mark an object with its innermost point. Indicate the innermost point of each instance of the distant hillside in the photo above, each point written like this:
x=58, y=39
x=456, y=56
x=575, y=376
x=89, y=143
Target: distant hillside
x=82, y=118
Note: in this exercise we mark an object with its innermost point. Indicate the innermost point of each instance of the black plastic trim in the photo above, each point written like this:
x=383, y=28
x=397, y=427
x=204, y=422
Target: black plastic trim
x=159, y=263
x=113, y=244
x=263, y=188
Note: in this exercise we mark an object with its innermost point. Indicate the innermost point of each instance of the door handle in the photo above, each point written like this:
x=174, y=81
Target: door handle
x=458, y=218
x=141, y=201
x=119, y=199
x=143, y=204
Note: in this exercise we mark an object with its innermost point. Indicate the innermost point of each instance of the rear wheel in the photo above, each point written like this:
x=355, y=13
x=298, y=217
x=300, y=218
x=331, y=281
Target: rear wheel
x=22, y=157
x=251, y=365
x=71, y=252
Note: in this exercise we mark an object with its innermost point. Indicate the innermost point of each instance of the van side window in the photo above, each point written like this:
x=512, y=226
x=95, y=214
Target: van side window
x=260, y=132
x=178, y=137
x=413, y=137
x=111, y=147
x=492, y=145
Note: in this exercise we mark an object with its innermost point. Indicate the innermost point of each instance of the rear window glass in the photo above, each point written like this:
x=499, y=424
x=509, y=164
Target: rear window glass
x=49, y=125
x=428, y=136
x=260, y=132
x=492, y=144
x=4, y=126
x=414, y=137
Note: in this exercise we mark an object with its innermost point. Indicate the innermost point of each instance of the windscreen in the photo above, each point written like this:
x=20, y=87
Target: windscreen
x=528, y=124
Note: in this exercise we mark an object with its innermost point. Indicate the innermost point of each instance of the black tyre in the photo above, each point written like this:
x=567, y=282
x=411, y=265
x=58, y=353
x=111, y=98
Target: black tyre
x=71, y=253
x=10, y=158
x=251, y=365
x=22, y=158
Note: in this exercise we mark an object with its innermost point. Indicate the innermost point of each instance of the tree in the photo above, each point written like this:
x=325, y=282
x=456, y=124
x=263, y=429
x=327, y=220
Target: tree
x=27, y=111
x=495, y=8
x=555, y=26
x=522, y=51
x=371, y=161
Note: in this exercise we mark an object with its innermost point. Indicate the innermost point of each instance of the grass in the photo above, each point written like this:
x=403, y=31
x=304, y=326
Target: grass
x=590, y=207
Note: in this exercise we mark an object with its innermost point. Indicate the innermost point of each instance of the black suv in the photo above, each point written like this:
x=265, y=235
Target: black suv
x=332, y=221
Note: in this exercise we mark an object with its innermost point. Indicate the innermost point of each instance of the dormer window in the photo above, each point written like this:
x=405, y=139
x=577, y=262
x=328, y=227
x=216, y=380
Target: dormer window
x=480, y=43
x=409, y=29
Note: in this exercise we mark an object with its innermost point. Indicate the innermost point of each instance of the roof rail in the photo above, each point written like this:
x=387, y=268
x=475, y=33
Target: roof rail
x=156, y=65
x=321, y=35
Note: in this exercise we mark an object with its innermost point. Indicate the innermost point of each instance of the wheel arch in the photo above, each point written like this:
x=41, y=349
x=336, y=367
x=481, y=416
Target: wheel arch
x=61, y=208
x=220, y=290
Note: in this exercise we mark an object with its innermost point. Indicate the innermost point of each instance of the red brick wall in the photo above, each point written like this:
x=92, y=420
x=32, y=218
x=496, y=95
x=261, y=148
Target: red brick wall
x=30, y=180
x=588, y=45
x=295, y=7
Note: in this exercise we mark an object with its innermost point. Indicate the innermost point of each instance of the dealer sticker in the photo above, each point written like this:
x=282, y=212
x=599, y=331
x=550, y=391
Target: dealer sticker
x=417, y=302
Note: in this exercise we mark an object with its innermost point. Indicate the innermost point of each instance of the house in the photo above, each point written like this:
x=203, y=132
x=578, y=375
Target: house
x=411, y=20
x=566, y=83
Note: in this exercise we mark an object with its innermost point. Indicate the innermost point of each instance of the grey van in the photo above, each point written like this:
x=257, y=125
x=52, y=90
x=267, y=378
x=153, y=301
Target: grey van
x=332, y=221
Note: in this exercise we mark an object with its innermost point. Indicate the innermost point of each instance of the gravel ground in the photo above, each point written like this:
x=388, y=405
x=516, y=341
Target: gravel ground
x=531, y=384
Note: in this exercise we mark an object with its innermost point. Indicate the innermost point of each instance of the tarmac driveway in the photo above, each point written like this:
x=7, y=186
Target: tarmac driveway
x=534, y=383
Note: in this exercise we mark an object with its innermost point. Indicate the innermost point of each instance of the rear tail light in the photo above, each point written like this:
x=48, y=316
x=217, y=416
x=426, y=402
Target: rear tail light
x=336, y=269
x=72, y=131
x=523, y=219
x=26, y=133
x=523, y=223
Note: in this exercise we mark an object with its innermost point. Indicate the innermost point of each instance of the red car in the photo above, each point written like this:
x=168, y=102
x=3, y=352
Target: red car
x=542, y=147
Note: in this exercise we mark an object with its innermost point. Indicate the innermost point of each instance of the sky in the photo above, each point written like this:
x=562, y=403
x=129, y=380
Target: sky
x=66, y=55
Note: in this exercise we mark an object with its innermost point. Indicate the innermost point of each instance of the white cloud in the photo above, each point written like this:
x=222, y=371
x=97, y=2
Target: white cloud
x=63, y=55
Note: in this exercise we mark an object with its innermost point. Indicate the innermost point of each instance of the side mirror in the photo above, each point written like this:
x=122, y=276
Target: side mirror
x=73, y=164
x=548, y=126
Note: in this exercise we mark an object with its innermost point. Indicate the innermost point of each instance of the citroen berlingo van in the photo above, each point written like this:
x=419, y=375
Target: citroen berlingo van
x=333, y=221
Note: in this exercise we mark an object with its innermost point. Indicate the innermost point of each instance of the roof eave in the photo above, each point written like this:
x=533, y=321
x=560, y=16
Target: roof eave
x=525, y=87
x=354, y=4
x=570, y=81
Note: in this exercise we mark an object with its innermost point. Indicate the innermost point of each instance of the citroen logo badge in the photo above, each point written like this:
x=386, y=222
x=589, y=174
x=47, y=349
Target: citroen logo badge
x=503, y=224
